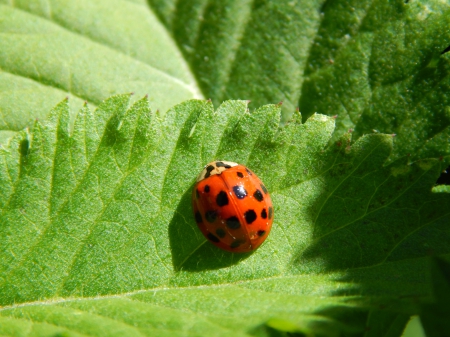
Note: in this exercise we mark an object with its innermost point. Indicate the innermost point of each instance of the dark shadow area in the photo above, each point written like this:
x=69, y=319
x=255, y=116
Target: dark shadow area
x=24, y=148
x=380, y=227
x=444, y=178
x=376, y=215
x=434, y=316
x=268, y=331
x=401, y=284
x=365, y=321
x=332, y=321
x=349, y=321
x=190, y=250
x=396, y=292
x=445, y=50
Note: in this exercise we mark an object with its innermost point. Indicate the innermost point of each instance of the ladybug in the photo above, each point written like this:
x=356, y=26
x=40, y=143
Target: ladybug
x=232, y=207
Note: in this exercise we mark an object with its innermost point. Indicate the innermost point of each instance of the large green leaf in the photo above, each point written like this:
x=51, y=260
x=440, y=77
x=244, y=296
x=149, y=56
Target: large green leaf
x=98, y=237
x=96, y=231
x=377, y=64
x=87, y=51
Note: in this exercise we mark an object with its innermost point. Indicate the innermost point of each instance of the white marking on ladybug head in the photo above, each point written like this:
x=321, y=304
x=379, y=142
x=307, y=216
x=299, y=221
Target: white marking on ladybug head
x=215, y=167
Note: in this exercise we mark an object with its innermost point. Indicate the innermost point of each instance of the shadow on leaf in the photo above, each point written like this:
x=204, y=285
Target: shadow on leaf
x=190, y=250
x=377, y=224
x=370, y=214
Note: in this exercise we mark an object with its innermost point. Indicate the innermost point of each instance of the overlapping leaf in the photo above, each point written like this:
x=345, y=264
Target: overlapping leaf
x=377, y=64
x=87, y=51
x=335, y=58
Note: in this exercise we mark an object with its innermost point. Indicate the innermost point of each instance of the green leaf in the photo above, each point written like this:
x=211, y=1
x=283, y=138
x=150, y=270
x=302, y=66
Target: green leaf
x=96, y=228
x=98, y=237
x=434, y=315
x=5, y=136
x=414, y=328
x=377, y=64
x=386, y=324
x=87, y=51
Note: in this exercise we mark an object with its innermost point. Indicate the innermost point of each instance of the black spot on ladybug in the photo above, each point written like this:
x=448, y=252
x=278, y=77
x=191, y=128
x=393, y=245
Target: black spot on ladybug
x=240, y=175
x=220, y=233
x=235, y=244
x=261, y=233
x=213, y=238
x=220, y=164
x=198, y=217
x=208, y=171
x=222, y=199
x=233, y=222
x=197, y=194
x=211, y=216
x=250, y=216
x=249, y=172
x=239, y=191
x=258, y=195
x=264, y=214
x=264, y=189
x=206, y=189
x=270, y=212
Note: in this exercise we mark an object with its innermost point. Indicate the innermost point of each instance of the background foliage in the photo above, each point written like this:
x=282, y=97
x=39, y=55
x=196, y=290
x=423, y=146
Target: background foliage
x=96, y=230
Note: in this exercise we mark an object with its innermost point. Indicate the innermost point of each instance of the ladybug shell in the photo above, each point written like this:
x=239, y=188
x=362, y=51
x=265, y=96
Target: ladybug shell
x=232, y=207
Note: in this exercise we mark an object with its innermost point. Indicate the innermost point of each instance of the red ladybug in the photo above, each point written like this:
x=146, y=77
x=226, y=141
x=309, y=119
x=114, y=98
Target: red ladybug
x=232, y=207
